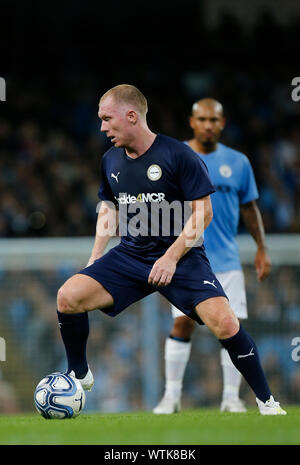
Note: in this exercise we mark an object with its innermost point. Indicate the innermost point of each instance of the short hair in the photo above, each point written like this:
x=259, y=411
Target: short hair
x=210, y=102
x=128, y=94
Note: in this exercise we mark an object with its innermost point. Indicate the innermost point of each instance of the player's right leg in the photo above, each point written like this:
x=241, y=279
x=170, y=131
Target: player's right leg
x=81, y=293
x=177, y=353
x=75, y=298
x=111, y=284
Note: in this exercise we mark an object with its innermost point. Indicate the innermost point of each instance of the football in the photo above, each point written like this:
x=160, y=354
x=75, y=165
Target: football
x=59, y=396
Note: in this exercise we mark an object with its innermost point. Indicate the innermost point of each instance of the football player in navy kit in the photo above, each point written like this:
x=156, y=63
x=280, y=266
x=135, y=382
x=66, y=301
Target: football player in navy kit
x=145, y=168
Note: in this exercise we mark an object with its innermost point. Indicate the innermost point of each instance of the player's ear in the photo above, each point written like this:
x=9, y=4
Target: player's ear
x=191, y=120
x=132, y=116
x=223, y=122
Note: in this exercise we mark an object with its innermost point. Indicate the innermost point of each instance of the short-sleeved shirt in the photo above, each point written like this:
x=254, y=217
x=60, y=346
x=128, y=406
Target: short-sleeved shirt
x=234, y=181
x=168, y=173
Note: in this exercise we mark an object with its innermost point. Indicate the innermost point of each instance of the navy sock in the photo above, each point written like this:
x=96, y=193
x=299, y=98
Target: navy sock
x=244, y=355
x=74, y=329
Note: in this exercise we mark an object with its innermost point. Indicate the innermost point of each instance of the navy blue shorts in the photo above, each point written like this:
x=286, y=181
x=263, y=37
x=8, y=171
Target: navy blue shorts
x=124, y=274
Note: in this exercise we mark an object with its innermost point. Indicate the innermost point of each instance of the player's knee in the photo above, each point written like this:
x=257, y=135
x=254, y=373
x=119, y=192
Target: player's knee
x=227, y=326
x=67, y=301
x=183, y=327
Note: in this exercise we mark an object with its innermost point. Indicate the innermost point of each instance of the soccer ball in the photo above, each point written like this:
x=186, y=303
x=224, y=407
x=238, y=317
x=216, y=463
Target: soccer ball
x=59, y=396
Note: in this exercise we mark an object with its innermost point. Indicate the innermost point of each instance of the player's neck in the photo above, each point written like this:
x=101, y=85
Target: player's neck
x=140, y=143
x=201, y=148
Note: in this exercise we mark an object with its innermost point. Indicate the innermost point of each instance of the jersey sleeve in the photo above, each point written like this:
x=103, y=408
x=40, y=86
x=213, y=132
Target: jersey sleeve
x=248, y=188
x=193, y=175
x=105, y=192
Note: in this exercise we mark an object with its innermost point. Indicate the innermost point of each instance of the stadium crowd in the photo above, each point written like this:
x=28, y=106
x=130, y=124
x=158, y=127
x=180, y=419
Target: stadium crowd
x=49, y=177
x=50, y=152
x=51, y=145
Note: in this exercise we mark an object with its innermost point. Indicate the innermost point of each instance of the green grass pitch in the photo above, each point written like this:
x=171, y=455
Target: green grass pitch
x=190, y=427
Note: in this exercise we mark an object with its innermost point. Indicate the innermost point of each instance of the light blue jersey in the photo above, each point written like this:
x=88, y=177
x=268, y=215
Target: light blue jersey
x=233, y=178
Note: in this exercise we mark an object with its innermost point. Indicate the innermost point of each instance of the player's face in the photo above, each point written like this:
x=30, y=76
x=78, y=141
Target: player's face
x=115, y=122
x=207, y=123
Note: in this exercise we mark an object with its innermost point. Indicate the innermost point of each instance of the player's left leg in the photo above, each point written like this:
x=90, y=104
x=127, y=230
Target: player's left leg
x=218, y=316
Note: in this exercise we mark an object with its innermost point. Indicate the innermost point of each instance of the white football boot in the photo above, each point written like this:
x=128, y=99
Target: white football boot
x=270, y=407
x=87, y=382
x=233, y=406
x=167, y=406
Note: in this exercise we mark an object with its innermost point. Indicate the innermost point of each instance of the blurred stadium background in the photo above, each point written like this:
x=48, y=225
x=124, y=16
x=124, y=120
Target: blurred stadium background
x=57, y=59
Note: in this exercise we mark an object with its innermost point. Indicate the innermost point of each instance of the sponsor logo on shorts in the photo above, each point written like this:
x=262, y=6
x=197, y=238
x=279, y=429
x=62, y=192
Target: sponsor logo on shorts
x=211, y=283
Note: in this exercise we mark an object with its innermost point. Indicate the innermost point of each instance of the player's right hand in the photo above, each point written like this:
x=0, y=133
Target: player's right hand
x=162, y=271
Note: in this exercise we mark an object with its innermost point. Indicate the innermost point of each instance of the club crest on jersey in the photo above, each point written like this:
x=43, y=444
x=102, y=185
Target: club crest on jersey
x=225, y=171
x=154, y=172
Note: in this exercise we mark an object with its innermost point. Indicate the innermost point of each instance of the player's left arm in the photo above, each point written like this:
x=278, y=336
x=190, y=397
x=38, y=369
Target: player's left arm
x=254, y=224
x=164, y=268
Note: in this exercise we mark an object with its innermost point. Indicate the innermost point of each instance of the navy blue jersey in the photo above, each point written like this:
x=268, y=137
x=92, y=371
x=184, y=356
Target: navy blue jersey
x=168, y=173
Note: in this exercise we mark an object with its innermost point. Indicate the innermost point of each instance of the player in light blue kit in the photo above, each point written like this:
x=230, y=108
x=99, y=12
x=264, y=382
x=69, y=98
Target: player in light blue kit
x=236, y=191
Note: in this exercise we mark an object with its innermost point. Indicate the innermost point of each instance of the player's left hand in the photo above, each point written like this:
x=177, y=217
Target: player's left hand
x=162, y=271
x=262, y=264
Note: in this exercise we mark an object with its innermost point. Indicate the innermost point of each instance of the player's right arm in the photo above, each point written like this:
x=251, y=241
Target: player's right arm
x=107, y=224
x=108, y=218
